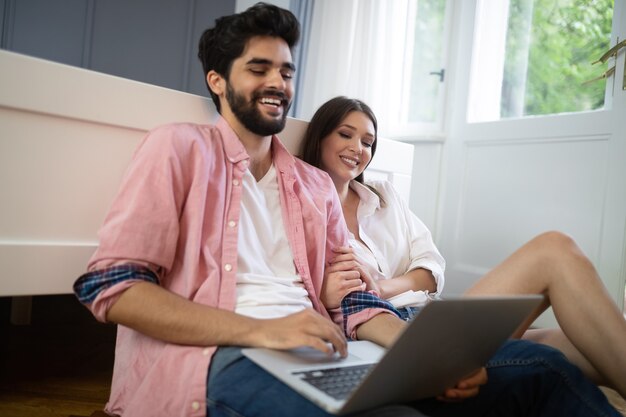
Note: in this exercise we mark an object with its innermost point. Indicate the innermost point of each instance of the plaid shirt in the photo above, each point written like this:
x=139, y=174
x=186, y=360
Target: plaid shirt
x=360, y=300
x=88, y=286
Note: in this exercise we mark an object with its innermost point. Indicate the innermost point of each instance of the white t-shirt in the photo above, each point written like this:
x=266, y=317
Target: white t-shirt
x=268, y=285
x=396, y=241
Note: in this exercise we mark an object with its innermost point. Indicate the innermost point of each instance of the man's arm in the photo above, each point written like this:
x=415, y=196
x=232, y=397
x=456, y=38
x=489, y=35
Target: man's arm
x=156, y=312
x=382, y=329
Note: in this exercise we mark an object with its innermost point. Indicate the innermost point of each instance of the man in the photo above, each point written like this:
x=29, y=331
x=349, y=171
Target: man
x=218, y=237
x=171, y=253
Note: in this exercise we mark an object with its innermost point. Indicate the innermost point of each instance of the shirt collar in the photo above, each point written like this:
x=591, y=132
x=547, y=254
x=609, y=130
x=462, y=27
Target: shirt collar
x=281, y=157
x=370, y=202
x=236, y=152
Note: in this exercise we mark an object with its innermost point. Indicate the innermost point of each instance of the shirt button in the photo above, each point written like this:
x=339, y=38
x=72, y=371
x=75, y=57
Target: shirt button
x=232, y=223
x=206, y=351
x=235, y=182
x=195, y=405
x=228, y=267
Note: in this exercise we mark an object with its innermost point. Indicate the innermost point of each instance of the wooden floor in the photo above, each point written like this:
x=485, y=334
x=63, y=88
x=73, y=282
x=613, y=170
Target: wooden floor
x=58, y=366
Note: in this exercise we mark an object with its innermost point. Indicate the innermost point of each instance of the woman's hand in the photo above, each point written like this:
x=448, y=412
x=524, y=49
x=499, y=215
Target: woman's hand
x=342, y=276
x=466, y=388
x=371, y=284
x=346, y=254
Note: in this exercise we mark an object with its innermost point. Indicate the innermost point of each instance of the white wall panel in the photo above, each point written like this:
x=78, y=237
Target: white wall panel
x=393, y=162
x=60, y=176
x=514, y=191
x=65, y=140
x=426, y=182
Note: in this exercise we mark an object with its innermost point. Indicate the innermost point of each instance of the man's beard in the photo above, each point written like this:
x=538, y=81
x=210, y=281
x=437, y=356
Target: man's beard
x=250, y=116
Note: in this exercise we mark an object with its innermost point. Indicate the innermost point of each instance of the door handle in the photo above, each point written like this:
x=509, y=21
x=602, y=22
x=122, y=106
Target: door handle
x=611, y=52
x=441, y=74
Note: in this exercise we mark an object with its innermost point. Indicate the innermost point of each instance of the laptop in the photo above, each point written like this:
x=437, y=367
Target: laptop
x=447, y=341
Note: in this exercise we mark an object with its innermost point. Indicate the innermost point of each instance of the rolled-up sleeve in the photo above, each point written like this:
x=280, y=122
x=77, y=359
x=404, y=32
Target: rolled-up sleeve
x=359, y=307
x=100, y=288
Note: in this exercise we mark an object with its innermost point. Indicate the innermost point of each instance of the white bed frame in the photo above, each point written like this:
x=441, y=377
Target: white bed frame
x=66, y=136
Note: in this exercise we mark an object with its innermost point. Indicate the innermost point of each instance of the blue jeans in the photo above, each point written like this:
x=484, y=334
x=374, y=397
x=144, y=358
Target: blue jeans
x=525, y=379
x=529, y=379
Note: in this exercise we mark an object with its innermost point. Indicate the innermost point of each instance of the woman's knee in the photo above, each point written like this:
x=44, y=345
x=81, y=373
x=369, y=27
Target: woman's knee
x=555, y=246
x=554, y=240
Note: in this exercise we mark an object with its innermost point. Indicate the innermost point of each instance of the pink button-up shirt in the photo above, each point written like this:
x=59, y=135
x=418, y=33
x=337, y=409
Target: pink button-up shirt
x=178, y=209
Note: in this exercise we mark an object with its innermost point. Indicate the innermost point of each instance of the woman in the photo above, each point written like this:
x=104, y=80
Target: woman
x=390, y=242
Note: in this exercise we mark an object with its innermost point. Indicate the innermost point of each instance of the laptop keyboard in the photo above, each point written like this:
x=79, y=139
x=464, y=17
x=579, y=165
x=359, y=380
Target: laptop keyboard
x=336, y=382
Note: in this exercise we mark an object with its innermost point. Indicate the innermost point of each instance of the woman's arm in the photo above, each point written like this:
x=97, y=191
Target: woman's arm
x=415, y=280
x=342, y=278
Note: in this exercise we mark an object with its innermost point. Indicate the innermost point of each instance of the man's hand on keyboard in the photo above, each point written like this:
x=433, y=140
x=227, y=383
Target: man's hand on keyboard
x=305, y=328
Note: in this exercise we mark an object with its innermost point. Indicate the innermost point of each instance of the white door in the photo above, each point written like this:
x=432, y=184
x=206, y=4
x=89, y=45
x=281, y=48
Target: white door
x=508, y=180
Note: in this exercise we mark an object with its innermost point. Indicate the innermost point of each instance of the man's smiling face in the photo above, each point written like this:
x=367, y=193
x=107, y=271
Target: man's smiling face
x=259, y=88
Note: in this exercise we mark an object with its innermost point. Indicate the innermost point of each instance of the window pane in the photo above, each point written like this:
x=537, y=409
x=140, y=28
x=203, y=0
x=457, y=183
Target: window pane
x=565, y=36
x=534, y=56
x=427, y=58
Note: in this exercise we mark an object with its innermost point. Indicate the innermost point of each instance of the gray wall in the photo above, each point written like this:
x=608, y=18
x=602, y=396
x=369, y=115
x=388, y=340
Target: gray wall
x=153, y=41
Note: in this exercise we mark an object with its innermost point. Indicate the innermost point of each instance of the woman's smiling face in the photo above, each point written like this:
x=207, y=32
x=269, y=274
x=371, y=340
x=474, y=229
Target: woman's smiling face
x=347, y=150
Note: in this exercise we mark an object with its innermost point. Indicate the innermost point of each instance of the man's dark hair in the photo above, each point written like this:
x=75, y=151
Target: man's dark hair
x=221, y=45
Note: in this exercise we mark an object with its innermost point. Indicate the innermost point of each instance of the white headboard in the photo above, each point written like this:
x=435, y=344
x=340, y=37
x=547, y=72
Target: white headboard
x=66, y=136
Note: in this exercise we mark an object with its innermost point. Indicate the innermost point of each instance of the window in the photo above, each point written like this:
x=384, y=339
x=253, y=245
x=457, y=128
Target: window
x=389, y=53
x=535, y=57
x=427, y=71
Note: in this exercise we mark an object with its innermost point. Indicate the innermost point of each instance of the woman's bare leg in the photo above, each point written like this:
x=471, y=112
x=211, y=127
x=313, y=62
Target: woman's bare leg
x=553, y=265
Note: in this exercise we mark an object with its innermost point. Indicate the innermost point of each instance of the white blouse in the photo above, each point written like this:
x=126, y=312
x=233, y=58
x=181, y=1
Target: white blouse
x=395, y=240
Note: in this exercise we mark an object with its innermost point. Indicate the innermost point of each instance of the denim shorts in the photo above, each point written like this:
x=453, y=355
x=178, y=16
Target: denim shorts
x=408, y=313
